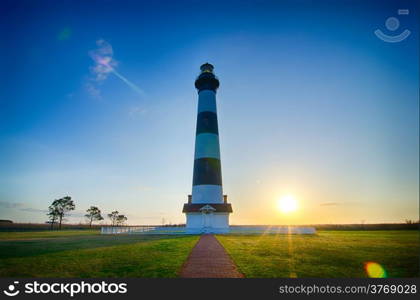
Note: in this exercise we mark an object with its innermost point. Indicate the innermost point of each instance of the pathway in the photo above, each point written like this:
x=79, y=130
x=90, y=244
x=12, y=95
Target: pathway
x=208, y=259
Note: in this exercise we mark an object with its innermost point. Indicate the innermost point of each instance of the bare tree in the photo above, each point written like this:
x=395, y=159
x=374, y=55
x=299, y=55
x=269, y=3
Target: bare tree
x=93, y=214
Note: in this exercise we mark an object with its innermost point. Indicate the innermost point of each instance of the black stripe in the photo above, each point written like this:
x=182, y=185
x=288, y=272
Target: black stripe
x=207, y=171
x=220, y=207
x=207, y=123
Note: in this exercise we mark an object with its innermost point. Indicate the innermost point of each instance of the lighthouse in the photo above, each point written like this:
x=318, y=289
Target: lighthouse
x=207, y=210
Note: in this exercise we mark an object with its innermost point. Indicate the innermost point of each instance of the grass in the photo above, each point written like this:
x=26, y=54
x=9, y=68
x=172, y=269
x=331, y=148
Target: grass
x=86, y=253
x=327, y=254
x=46, y=234
x=89, y=254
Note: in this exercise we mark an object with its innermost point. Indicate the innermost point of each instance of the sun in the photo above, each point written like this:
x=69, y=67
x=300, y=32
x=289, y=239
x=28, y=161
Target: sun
x=287, y=204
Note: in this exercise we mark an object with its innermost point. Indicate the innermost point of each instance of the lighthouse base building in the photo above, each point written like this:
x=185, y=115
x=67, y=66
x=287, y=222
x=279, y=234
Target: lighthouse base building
x=207, y=210
x=207, y=217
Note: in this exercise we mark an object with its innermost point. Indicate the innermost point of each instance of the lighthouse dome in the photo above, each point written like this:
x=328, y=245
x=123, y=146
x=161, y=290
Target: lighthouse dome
x=206, y=80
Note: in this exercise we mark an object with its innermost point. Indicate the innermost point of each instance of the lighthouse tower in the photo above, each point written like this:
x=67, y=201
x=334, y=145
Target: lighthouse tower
x=207, y=210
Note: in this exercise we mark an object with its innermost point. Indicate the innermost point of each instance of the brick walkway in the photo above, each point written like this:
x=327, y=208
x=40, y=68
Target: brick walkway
x=208, y=259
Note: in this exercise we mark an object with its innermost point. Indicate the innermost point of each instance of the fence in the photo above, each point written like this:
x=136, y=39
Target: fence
x=142, y=230
x=233, y=229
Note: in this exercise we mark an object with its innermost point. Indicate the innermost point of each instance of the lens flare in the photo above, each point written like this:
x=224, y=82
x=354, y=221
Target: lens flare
x=375, y=270
x=64, y=34
x=105, y=64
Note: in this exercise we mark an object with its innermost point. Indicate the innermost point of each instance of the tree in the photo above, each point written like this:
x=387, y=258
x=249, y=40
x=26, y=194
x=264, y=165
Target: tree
x=93, y=214
x=121, y=219
x=61, y=207
x=113, y=216
x=52, y=215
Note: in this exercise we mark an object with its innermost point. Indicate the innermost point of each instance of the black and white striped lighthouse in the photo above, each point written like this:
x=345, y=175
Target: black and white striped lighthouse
x=207, y=209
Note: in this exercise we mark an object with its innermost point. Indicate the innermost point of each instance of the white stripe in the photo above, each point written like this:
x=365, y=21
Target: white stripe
x=207, y=101
x=207, y=145
x=207, y=193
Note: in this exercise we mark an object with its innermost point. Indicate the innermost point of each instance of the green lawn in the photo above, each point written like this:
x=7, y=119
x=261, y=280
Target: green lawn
x=45, y=234
x=326, y=254
x=86, y=253
x=89, y=254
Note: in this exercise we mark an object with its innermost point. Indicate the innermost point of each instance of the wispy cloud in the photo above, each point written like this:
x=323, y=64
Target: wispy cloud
x=105, y=64
x=77, y=214
x=135, y=111
x=329, y=204
x=93, y=90
x=104, y=60
x=20, y=206
x=34, y=210
x=339, y=203
x=6, y=204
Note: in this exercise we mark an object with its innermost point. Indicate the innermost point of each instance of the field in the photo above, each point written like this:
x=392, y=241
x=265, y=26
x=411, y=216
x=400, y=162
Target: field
x=89, y=254
x=86, y=253
x=327, y=254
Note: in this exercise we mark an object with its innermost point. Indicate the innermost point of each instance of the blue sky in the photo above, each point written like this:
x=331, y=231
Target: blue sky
x=311, y=103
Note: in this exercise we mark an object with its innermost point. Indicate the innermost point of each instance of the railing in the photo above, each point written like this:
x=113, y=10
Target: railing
x=232, y=230
x=142, y=230
x=126, y=229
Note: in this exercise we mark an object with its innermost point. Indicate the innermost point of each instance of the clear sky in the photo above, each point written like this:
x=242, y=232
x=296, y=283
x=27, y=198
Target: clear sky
x=311, y=103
